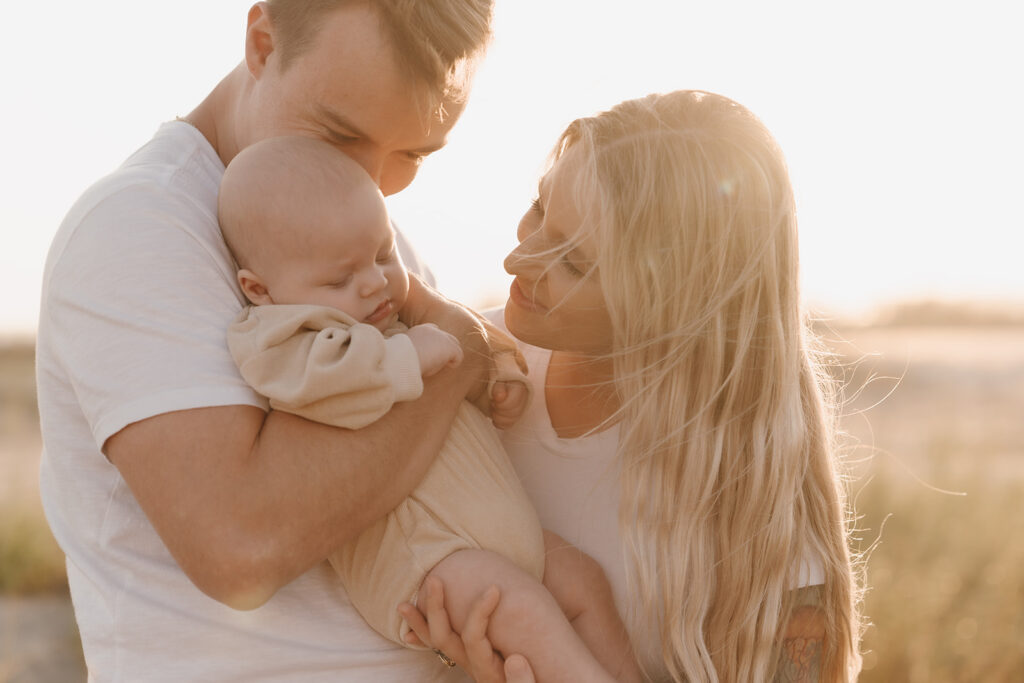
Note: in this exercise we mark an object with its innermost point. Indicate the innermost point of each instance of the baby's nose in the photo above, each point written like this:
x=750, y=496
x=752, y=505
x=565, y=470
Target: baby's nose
x=375, y=280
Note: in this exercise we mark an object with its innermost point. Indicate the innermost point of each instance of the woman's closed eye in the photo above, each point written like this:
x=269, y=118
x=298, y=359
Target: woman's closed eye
x=569, y=266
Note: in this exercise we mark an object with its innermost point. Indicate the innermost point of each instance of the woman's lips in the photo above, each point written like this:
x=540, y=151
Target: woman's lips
x=380, y=313
x=515, y=293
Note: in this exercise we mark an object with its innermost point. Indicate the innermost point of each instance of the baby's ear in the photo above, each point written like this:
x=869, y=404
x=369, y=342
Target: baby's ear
x=253, y=288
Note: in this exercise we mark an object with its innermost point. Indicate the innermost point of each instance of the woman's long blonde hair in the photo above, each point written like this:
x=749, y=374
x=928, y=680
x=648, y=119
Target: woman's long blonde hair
x=728, y=466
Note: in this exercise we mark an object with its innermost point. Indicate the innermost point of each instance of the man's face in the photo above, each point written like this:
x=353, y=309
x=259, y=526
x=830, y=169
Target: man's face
x=347, y=89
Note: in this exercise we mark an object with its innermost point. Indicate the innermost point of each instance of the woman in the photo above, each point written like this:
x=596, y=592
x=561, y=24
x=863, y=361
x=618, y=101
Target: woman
x=656, y=293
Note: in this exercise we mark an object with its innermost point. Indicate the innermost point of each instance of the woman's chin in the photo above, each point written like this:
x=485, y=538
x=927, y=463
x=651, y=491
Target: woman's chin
x=530, y=327
x=518, y=324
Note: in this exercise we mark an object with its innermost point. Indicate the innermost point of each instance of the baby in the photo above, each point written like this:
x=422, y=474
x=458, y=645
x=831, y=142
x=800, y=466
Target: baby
x=318, y=262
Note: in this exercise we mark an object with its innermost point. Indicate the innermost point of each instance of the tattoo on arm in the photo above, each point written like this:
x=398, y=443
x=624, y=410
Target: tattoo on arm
x=799, y=661
x=803, y=643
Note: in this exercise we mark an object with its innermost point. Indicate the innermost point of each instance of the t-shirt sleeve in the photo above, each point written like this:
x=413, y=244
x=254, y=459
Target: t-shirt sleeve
x=138, y=297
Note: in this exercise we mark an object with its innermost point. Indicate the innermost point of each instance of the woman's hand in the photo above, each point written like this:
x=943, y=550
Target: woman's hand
x=471, y=649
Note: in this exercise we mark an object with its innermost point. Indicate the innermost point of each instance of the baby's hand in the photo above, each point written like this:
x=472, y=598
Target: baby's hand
x=436, y=348
x=508, y=402
x=509, y=395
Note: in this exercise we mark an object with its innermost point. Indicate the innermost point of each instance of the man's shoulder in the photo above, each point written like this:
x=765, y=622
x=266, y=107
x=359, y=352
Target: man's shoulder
x=177, y=163
x=168, y=187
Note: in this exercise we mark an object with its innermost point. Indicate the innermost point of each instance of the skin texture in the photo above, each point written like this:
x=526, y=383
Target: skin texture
x=245, y=500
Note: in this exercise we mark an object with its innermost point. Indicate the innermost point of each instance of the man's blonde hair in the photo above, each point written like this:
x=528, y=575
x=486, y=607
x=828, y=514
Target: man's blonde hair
x=436, y=42
x=729, y=471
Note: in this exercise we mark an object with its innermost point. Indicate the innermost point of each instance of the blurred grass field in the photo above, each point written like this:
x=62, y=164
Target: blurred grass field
x=934, y=417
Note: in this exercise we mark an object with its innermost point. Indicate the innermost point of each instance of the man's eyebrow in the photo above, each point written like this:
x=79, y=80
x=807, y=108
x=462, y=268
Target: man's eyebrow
x=340, y=121
x=429, y=149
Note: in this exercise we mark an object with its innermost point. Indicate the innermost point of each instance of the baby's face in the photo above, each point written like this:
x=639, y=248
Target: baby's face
x=349, y=262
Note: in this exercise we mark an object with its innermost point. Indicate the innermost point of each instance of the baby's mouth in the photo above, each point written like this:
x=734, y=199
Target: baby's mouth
x=381, y=312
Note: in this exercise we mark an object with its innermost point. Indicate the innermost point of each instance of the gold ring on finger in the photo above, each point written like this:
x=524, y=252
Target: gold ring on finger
x=448, y=661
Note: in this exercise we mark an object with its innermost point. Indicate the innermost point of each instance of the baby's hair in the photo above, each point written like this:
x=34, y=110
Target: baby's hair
x=267, y=187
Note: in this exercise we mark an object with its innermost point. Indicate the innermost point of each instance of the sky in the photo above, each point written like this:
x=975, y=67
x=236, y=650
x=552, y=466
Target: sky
x=900, y=120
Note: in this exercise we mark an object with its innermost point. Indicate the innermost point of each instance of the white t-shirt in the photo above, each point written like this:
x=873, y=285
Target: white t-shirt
x=574, y=485
x=138, y=292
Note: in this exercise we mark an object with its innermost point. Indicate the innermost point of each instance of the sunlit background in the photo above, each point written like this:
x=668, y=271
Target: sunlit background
x=902, y=124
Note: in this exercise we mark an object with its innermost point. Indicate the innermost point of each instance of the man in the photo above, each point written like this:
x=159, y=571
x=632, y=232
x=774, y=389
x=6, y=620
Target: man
x=195, y=521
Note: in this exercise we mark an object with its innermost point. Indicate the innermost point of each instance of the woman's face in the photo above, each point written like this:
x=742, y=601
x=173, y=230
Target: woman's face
x=556, y=301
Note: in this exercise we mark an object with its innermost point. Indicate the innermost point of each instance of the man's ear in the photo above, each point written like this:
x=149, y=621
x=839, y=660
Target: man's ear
x=259, y=39
x=253, y=288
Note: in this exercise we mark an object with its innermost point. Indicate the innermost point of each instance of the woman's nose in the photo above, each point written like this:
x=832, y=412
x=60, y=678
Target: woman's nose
x=515, y=261
x=524, y=255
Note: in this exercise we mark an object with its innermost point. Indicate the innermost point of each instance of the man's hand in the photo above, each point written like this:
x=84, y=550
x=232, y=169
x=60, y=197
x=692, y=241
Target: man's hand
x=435, y=348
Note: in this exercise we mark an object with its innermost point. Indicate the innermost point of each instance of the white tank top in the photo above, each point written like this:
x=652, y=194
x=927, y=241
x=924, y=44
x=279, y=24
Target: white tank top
x=574, y=486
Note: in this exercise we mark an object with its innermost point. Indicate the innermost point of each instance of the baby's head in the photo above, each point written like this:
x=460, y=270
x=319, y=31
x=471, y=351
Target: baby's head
x=307, y=225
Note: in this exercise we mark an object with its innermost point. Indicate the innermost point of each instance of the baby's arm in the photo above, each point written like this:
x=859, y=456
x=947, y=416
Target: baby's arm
x=435, y=348
x=318, y=363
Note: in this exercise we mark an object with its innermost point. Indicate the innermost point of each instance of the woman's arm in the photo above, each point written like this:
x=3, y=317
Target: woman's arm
x=800, y=657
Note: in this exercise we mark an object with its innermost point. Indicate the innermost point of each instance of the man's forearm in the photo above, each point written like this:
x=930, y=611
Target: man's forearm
x=246, y=500
x=349, y=479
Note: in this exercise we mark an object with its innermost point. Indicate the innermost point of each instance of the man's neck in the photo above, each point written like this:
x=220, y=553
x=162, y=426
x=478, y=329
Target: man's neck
x=220, y=116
